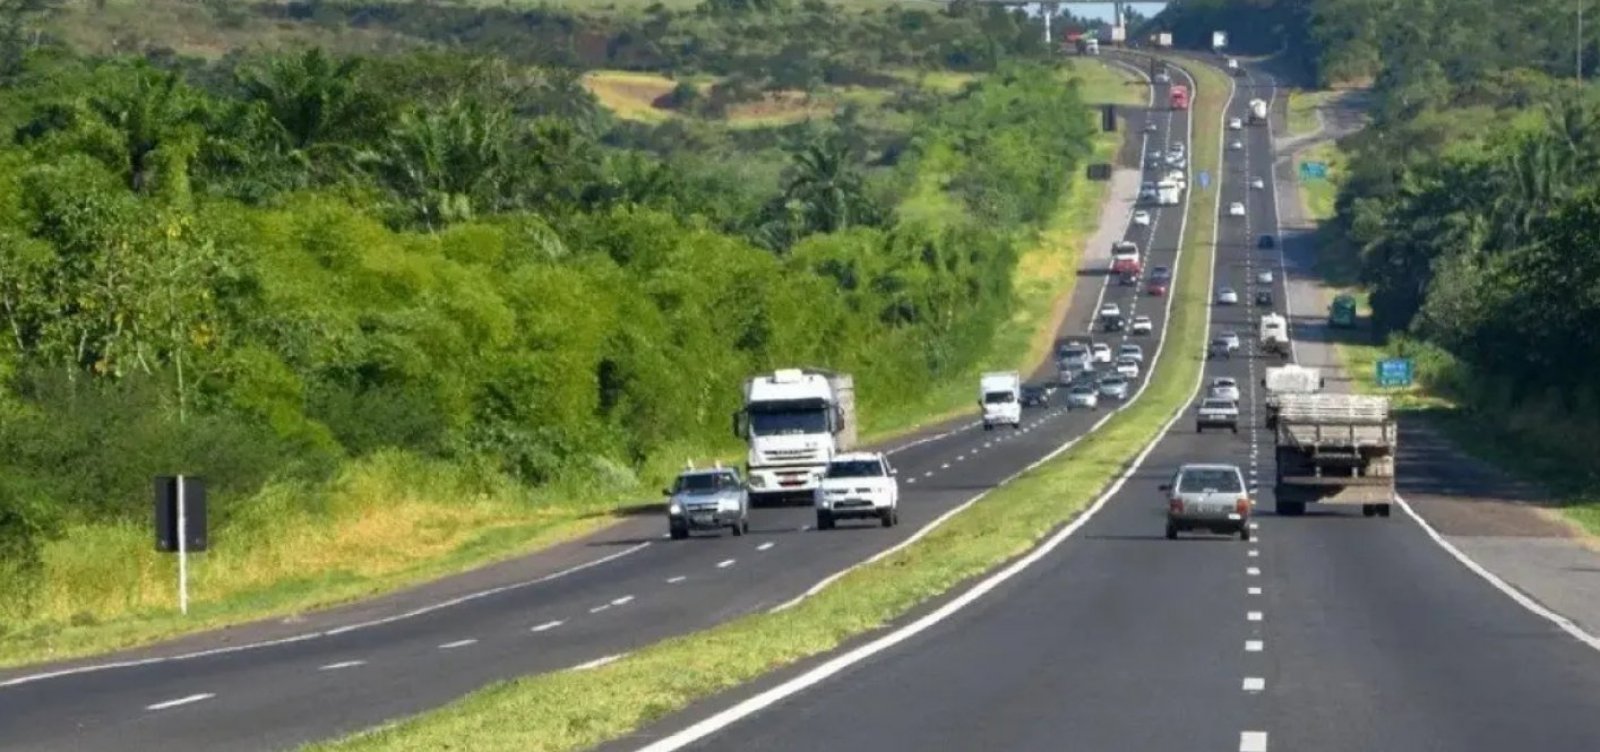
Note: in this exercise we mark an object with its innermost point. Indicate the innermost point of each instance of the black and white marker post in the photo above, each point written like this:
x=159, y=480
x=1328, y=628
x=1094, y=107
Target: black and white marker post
x=181, y=524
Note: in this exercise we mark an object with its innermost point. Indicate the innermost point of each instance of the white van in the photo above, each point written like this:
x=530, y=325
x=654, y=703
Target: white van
x=1000, y=398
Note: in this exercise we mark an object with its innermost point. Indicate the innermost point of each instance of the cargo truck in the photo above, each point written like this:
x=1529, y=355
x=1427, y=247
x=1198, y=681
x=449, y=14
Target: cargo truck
x=1342, y=313
x=1288, y=379
x=794, y=421
x=1000, y=399
x=1335, y=449
x=1275, y=335
x=1258, y=111
x=1179, y=97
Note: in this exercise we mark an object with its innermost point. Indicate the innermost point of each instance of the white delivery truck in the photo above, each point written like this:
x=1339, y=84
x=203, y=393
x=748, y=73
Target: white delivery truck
x=795, y=420
x=1275, y=335
x=1168, y=193
x=1000, y=398
x=1258, y=111
x=1283, y=380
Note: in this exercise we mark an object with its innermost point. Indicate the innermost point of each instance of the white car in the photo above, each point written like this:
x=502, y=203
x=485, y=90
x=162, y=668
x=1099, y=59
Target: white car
x=1235, y=146
x=1142, y=218
x=1265, y=277
x=1235, y=124
x=1131, y=351
x=1224, y=387
x=858, y=485
x=1128, y=367
x=1083, y=395
x=1102, y=352
x=1142, y=325
x=1232, y=340
x=1162, y=77
x=1236, y=209
x=1226, y=296
x=1258, y=184
x=1110, y=309
x=1150, y=126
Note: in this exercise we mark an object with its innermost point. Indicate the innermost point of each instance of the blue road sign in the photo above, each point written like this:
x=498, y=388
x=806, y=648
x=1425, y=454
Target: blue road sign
x=1394, y=372
x=1205, y=179
x=1313, y=170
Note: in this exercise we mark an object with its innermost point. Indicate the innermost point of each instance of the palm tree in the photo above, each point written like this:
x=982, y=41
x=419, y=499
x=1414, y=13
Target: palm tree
x=447, y=164
x=826, y=186
x=310, y=100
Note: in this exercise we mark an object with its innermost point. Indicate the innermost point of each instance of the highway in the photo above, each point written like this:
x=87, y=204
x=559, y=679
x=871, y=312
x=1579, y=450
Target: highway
x=613, y=593
x=1329, y=631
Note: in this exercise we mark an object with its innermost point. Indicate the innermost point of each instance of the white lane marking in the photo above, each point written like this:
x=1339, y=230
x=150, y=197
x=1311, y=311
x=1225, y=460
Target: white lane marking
x=622, y=601
x=547, y=626
x=1253, y=646
x=598, y=662
x=676, y=580
x=1254, y=684
x=765, y=546
x=1253, y=572
x=725, y=563
x=599, y=608
x=331, y=632
x=928, y=474
x=1161, y=343
x=1254, y=553
x=935, y=437
x=341, y=664
x=1566, y=625
x=1252, y=741
x=457, y=644
x=1253, y=616
x=1255, y=591
x=1255, y=526
x=804, y=528
x=959, y=458
x=911, y=480
x=180, y=701
x=945, y=466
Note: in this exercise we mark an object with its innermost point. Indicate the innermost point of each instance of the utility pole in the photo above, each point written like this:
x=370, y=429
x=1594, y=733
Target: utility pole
x=1577, y=52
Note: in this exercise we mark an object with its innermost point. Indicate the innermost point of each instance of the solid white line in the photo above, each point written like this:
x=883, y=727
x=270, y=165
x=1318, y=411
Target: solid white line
x=1253, y=616
x=331, y=632
x=725, y=563
x=598, y=662
x=547, y=626
x=1254, y=684
x=765, y=546
x=1252, y=741
x=676, y=580
x=1255, y=591
x=1253, y=646
x=1253, y=572
x=342, y=664
x=457, y=644
x=179, y=701
x=622, y=601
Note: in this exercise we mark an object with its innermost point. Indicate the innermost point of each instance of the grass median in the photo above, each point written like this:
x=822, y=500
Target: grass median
x=569, y=710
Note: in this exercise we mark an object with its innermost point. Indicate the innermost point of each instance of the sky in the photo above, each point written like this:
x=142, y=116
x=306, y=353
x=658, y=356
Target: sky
x=1102, y=11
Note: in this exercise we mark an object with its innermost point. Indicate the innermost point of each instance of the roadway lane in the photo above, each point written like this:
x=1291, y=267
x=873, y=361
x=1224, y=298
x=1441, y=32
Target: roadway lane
x=1328, y=632
x=282, y=695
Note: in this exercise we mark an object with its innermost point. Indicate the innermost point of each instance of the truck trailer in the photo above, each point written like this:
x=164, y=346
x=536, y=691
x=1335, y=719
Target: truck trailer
x=1335, y=449
x=794, y=420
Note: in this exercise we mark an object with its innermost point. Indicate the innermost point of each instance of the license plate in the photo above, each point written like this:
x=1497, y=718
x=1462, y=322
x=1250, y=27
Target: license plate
x=701, y=519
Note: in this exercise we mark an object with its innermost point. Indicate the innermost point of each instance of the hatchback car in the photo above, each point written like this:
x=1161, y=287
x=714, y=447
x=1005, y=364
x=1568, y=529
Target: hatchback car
x=1128, y=367
x=1131, y=351
x=1235, y=124
x=1142, y=218
x=1035, y=396
x=1258, y=184
x=1114, y=387
x=1150, y=126
x=858, y=485
x=1236, y=209
x=1235, y=146
x=1110, y=309
x=1218, y=349
x=1208, y=497
x=705, y=500
x=1263, y=297
x=1266, y=243
x=1083, y=395
x=1102, y=352
x=1224, y=387
x=1264, y=277
x=1227, y=296
x=1142, y=325
x=1231, y=338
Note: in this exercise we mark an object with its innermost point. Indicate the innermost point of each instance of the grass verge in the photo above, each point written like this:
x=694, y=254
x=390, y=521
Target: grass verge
x=394, y=521
x=577, y=709
x=1303, y=106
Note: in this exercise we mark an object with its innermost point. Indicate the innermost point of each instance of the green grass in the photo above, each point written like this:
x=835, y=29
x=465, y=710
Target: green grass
x=1303, y=109
x=1320, y=195
x=572, y=710
x=1105, y=84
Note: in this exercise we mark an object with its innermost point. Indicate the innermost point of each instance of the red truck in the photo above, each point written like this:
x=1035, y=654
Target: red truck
x=1125, y=261
x=1180, y=97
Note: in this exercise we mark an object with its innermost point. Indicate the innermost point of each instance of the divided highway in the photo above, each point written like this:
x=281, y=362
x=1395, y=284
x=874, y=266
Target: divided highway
x=630, y=589
x=1327, y=632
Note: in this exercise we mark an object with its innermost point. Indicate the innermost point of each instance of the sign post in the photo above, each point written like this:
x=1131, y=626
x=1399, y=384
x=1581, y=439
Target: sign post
x=183, y=552
x=180, y=524
x=1313, y=170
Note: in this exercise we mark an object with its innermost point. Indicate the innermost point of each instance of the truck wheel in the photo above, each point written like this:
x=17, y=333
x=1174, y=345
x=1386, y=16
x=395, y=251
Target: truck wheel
x=1290, y=508
x=1383, y=510
x=1172, y=531
x=1199, y=428
x=678, y=533
x=988, y=427
x=886, y=517
x=824, y=521
x=1369, y=510
x=737, y=527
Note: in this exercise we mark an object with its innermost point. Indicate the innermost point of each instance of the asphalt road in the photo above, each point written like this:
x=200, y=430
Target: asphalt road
x=1330, y=631
x=638, y=590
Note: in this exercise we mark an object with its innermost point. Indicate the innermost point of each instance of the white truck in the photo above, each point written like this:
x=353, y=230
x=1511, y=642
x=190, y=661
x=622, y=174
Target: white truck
x=1000, y=398
x=1258, y=111
x=1335, y=449
x=1168, y=193
x=1288, y=379
x=795, y=420
x=1275, y=335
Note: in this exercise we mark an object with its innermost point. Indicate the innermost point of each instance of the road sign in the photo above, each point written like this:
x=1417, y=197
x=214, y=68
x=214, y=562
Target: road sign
x=1313, y=170
x=1219, y=39
x=1394, y=372
x=1205, y=179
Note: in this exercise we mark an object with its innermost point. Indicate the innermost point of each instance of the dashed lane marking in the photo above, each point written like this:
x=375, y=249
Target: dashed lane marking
x=622, y=601
x=1254, y=684
x=1253, y=646
x=681, y=578
x=1253, y=572
x=547, y=626
x=457, y=644
x=767, y=545
x=341, y=664
x=1255, y=591
x=1252, y=741
x=599, y=608
x=724, y=564
x=180, y=701
x=1253, y=616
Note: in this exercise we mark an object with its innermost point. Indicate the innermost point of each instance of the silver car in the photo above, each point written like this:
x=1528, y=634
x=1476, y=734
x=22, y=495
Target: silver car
x=1114, y=387
x=1083, y=395
x=1208, y=497
x=709, y=499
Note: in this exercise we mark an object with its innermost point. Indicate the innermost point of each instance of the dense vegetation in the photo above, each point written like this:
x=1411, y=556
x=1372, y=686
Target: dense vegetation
x=1471, y=203
x=269, y=268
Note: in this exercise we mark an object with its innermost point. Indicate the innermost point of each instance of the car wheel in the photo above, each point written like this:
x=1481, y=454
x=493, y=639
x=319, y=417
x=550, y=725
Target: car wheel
x=1383, y=510
x=886, y=517
x=1244, y=531
x=1198, y=428
x=738, y=528
x=744, y=525
x=1172, y=531
x=824, y=521
x=678, y=533
x=1235, y=429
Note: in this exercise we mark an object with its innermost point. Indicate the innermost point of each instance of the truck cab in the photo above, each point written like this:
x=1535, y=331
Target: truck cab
x=794, y=420
x=1000, y=399
x=1275, y=334
x=1125, y=259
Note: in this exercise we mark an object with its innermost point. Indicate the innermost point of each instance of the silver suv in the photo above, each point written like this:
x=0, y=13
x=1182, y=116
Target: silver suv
x=710, y=499
x=1208, y=497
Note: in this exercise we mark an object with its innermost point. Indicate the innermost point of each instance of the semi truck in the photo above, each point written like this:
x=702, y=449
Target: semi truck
x=1000, y=398
x=1335, y=449
x=794, y=420
x=1288, y=379
x=1258, y=111
x=1342, y=313
x=1179, y=97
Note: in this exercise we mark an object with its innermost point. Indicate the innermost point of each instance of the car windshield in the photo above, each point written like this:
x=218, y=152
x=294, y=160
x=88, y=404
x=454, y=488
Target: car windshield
x=1225, y=382
x=1220, y=480
x=1113, y=383
x=700, y=483
x=997, y=398
x=855, y=469
x=1083, y=390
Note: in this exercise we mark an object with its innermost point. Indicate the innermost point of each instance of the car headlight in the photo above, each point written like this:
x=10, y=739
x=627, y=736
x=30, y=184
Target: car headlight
x=674, y=509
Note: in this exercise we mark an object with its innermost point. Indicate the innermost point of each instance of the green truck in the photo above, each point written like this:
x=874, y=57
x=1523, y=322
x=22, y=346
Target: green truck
x=1343, y=312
